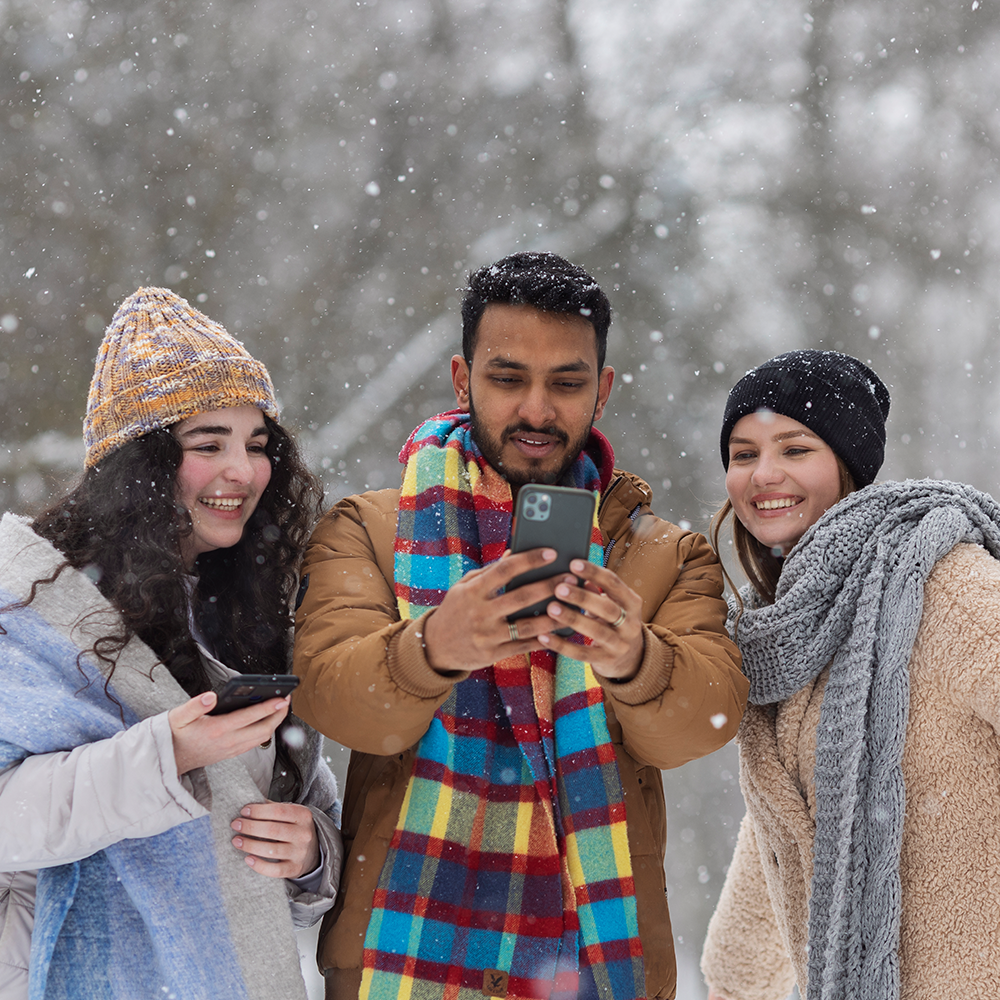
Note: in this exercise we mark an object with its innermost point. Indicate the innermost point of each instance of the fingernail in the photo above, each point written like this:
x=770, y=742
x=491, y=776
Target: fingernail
x=562, y=591
x=236, y=824
x=577, y=565
x=207, y=698
x=554, y=609
x=237, y=841
x=251, y=861
x=245, y=811
x=544, y=639
x=548, y=554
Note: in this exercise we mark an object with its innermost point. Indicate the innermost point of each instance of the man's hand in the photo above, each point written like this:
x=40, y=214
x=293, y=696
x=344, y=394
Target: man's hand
x=469, y=628
x=610, y=615
x=278, y=838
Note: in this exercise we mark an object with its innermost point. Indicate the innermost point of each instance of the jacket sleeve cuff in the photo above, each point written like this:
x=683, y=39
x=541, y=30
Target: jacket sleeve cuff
x=193, y=785
x=409, y=667
x=310, y=897
x=653, y=677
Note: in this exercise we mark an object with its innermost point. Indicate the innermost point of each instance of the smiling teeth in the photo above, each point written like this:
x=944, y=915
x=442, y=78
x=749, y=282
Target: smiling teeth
x=775, y=504
x=221, y=503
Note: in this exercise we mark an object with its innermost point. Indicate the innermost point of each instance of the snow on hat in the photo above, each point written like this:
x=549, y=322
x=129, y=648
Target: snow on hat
x=834, y=395
x=162, y=361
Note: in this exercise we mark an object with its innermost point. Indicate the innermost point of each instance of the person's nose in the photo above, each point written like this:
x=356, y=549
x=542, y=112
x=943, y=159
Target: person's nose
x=239, y=468
x=536, y=409
x=767, y=472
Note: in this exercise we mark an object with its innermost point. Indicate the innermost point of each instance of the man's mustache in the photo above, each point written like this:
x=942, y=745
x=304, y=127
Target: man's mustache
x=556, y=432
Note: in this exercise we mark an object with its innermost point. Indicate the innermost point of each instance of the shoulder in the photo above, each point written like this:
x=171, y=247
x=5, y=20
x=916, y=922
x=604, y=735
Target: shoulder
x=626, y=508
x=625, y=496
x=655, y=557
x=24, y=556
x=361, y=527
x=966, y=568
x=18, y=542
x=963, y=587
x=374, y=512
x=959, y=637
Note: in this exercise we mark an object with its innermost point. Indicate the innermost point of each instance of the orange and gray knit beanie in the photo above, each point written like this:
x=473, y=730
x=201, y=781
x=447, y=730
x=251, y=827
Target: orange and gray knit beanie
x=162, y=361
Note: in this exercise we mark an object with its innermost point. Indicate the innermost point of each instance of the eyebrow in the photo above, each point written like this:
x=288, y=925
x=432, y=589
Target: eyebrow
x=573, y=366
x=780, y=437
x=220, y=429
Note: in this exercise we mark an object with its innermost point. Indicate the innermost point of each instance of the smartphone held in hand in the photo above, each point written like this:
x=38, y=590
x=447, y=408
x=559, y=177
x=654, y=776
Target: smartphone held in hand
x=556, y=517
x=249, y=689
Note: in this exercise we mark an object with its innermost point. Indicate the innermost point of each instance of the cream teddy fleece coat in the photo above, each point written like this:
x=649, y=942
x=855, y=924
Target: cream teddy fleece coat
x=950, y=863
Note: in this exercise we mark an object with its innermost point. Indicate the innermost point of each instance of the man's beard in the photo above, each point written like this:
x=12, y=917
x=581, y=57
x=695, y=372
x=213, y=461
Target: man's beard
x=533, y=470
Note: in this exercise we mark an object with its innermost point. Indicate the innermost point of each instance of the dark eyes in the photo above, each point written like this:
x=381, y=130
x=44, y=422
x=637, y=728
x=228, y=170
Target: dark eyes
x=509, y=380
x=210, y=447
x=793, y=451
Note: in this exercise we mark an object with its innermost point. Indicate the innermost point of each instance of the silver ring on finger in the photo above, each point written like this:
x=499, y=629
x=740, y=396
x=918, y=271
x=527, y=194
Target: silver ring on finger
x=617, y=623
x=512, y=629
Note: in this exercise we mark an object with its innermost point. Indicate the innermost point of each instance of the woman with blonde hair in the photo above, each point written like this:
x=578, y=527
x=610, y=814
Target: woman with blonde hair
x=868, y=862
x=135, y=826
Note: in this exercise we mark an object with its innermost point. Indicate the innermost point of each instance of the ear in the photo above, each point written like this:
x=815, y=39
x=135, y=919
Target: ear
x=604, y=382
x=460, y=381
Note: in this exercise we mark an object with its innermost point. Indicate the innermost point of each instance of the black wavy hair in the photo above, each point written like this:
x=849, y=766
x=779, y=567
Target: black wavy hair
x=545, y=281
x=121, y=524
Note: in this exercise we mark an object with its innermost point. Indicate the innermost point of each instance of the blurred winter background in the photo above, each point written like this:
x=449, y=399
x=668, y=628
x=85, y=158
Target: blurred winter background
x=743, y=178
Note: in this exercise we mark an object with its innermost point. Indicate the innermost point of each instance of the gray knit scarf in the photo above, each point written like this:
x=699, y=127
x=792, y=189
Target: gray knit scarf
x=851, y=595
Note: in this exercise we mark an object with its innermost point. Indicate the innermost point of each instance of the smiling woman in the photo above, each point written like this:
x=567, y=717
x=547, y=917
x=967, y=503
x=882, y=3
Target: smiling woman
x=222, y=475
x=168, y=570
x=869, y=758
x=781, y=479
x=800, y=432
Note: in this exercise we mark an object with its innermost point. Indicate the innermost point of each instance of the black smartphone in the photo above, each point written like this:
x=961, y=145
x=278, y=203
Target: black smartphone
x=249, y=689
x=556, y=517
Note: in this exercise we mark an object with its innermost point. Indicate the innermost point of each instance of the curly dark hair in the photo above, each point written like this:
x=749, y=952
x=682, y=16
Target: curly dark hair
x=122, y=526
x=545, y=281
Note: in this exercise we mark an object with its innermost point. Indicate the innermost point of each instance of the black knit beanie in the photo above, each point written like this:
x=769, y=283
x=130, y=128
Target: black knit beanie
x=834, y=395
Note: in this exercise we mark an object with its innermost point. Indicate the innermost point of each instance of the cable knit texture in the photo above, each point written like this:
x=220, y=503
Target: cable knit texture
x=162, y=361
x=851, y=596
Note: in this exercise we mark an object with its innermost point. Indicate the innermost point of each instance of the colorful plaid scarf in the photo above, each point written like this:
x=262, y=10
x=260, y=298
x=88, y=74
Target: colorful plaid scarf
x=509, y=872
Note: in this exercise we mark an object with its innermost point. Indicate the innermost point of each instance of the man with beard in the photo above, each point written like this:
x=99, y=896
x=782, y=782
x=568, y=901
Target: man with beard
x=504, y=808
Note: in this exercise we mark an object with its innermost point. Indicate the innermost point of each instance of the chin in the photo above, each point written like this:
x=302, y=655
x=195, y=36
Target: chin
x=540, y=477
x=543, y=475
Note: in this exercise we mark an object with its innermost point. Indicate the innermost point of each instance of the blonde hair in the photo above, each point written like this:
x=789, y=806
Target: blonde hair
x=760, y=564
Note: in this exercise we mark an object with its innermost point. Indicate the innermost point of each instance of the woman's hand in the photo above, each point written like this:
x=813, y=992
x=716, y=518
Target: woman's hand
x=278, y=838
x=201, y=739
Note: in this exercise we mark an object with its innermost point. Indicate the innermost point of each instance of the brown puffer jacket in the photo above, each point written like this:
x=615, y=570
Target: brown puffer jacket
x=367, y=684
x=950, y=860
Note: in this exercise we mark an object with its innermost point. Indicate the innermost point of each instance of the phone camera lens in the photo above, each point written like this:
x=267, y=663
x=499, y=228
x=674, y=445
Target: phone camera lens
x=543, y=507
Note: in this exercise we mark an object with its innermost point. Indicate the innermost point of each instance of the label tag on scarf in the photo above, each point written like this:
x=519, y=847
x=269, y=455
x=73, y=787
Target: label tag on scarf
x=494, y=983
